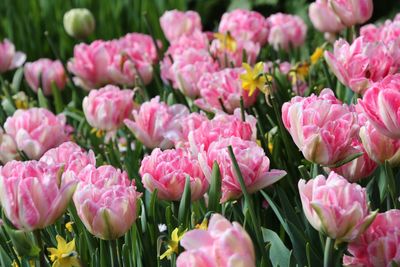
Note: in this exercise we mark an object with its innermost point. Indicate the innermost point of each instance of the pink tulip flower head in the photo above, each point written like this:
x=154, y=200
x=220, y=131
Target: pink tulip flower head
x=106, y=108
x=324, y=18
x=8, y=148
x=156, y=124
x=245, y=25
x=223, y=86
x=106, y=201
x=352, y=12
x=33, y=194
x=321, y=127
x=43, y=73
x=379, y=245
x=167, y=170
x=9, y=58
x=223, y=244
x=36, y=130
x=336, y=207
x=381, y=104
x=253, y=164
x=176, y=23
x=287, y=31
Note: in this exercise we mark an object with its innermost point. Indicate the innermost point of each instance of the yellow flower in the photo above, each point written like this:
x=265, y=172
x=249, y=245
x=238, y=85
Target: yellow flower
x=173, y=244
x=64, y=255
x=299, y=72
x=318, y=53
x=68, y=226
x=227, y=41
x=203, y=225
x=20, y=100
x=99, y=133
x=253, y=78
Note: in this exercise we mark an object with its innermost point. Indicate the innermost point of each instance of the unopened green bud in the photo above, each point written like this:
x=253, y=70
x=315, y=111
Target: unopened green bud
x=79, y=22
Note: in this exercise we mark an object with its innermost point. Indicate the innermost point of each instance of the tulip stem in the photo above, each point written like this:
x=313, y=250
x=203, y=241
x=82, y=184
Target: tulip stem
x=39, y=243
x=114, y=255
x=328, y=252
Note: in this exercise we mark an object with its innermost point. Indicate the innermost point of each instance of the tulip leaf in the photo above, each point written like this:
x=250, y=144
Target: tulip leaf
x=58, y=104
x=16, y=81
x=214, y=193
x=4, y=258
x=23, y=244
x=184, y=206
x=279, y=254
x=43, y=103
x=346, y=160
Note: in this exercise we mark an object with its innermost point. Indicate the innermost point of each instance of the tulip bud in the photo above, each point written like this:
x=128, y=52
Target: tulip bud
x=79, y=23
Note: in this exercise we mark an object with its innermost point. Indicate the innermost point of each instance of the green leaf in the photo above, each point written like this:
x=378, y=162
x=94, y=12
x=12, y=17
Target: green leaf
x=16, y=81
x=240, y=4
x=43, y=103
x=279, y=254
x=346, y=160
x=58, y=104
x=214, y=193
x=23, y=244
x=184, y=206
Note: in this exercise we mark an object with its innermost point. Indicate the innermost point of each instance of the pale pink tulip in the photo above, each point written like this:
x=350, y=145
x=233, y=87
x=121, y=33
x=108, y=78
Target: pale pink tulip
x=189, y=123
x=379, y=245
x=223, y=244
x=8, y=149
x=140, y=42
x=253, y=164
x=106, y=201
x=43, y=73
x=167, y=170
x=321, y=127
x=32, y=194
x=336, y=207
x=352, y=12
x=71, y=156
x=106, y=108
x=245, y=25
x=223, y=86
x=156, y=124
x=176, y=23
x=36, y=130
x=287, y=31
x=361, y=64
x=324, y=18
x=381, y=104
x=9, y=58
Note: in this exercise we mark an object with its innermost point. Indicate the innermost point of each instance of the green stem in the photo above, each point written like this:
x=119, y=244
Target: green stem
x=39, y=243
x=328, y=252
x=114, y=255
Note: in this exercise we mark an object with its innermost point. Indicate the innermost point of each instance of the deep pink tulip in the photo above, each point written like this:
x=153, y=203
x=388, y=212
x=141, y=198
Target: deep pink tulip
x=33, y=194
x=336, y=207
x=43, y=73
x=223, y=244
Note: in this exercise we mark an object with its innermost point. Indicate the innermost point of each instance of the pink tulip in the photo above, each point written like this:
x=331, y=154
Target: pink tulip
x=352, y=12
x=71, y=156
x=43, y=73
x=358, y=168
x=336, y=207
x=361, y=64
x=381, y=104
x=36, y=130
x=106, y=201
x=253, y=163
x=226, y=58
x=167, y=170
x=287, y=31
x=189, y=123
x=321, y=127
x=107, y=107
x=222, y=126
x=156, y=124
x=223, y=244
x=324, y=18
x=188, y=68
x=140, y=42
x=32, y=194
x=223, y=86
x=379, y=245
x=8, y=149
x=245, y=25
x=9, y=58
x=176, y=23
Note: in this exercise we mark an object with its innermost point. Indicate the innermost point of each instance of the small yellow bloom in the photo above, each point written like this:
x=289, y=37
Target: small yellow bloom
x=64, y=255
x=203, y=225
x=68, y=226
x=318, y=53
x=173, y=244
x=253, y=78
x=227, y=41
x=99, y=133
x=20, y=100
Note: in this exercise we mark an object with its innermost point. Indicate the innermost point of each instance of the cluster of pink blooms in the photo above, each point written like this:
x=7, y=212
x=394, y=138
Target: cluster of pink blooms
x=127, y=61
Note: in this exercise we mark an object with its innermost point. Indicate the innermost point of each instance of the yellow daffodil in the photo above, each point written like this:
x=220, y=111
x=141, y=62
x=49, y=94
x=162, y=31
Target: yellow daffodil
x=253, y=78
x=99, y=133
x=64, y=255
x=69, y=227
x=299, y=72
x=227, y=41
x=20, y=100
x=203, y=225
x=318, y=53
x=173, y=244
